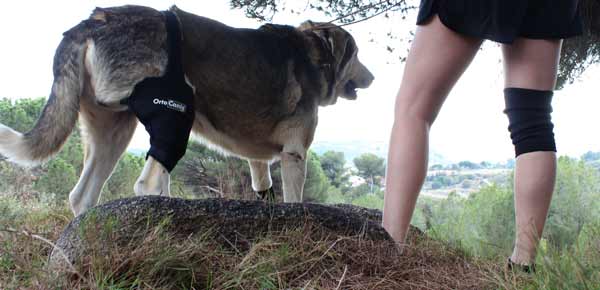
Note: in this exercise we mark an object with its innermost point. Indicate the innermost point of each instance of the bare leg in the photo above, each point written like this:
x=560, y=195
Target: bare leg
x=535, y=174
x=532, y=64
x=430, y=74
x=106, y=136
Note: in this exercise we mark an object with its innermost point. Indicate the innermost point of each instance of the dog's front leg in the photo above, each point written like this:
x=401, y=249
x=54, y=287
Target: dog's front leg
x=154, y=180
x=261, y=180
x=293, y=173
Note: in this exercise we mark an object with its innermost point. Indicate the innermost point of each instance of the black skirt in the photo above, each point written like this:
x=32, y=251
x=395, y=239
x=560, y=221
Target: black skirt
x=504, y=20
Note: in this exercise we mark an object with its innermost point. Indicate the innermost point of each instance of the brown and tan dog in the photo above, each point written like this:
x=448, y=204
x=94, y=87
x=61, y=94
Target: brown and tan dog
x=257, y=93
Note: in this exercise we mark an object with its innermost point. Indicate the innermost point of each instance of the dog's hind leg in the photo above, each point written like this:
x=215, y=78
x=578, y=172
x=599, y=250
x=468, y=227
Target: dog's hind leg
x=154, y=180
x=106, y=135
x=261, y=179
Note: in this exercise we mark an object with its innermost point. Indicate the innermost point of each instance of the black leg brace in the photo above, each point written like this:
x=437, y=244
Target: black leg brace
x=165, y=105
x=530, y=124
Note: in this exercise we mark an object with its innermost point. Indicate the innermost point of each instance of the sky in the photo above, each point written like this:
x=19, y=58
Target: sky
x=471, y=125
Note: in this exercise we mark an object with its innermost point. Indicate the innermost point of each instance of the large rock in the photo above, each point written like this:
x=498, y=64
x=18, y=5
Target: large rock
x=232, y=221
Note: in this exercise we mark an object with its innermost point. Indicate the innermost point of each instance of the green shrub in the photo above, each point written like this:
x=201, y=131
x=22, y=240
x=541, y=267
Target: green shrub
x=59, y=177
x=370, y=201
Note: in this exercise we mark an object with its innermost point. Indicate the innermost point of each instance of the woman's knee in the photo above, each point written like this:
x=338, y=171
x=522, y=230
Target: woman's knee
x=417, y=105
x=530, y=72
x=530, y=123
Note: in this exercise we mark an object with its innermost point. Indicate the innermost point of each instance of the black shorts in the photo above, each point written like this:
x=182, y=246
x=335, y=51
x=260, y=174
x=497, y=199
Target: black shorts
x=504, y=20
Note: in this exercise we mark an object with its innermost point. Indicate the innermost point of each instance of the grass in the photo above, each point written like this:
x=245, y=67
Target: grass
x=22, y=257
x=302, y=258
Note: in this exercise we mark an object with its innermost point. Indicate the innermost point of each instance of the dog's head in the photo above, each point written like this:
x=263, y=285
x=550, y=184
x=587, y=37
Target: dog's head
x=349, y=74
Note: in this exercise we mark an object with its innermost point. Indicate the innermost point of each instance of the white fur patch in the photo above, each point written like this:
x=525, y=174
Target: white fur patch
x=106, y=92
x=12, y=147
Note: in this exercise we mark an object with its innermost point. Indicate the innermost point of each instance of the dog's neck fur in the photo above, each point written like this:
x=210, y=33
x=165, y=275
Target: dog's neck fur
x=320, y=56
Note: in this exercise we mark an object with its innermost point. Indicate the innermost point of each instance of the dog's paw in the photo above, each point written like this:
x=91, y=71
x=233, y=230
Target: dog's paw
x=266, y=195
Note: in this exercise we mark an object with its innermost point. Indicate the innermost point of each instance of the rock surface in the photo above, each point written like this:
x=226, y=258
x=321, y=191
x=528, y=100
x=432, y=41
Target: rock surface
x=232, y=221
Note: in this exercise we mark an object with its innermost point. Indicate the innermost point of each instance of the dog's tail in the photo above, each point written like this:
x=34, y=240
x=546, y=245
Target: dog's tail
x=59, y=115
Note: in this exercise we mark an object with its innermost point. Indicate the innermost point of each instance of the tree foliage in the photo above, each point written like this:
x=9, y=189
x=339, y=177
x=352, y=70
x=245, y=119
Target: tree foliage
x=20, y=114
x=468, y=165
x=370, y=166
x=484, y=223
x=576, y=201
x=58, y=177
x=342, y=11
x=123, y=178
x=317, y=185
x=590, y=156
x=207, y=173
x=577, y=55
x=334, y=167
x=580, y=52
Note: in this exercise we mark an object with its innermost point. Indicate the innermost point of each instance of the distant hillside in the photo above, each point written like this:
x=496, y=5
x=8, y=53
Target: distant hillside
x=137, y=151
x=353, y=149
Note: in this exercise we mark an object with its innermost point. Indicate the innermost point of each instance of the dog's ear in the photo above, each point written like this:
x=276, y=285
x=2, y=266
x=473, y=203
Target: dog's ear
x=331, y=41
x=342, y=45
x=306, y=25
x=349, y=52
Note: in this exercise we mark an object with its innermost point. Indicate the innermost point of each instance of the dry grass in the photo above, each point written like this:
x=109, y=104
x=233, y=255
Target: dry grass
x=303, y=258
x=23, y=257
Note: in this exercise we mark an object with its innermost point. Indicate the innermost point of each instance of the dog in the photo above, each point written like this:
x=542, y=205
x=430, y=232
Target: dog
x=256, y=94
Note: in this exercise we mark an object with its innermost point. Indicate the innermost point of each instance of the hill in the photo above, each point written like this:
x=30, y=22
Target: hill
x=200, y=246
x=355, y=148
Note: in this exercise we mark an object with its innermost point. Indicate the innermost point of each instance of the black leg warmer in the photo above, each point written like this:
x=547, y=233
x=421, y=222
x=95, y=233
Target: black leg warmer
x=530, y=124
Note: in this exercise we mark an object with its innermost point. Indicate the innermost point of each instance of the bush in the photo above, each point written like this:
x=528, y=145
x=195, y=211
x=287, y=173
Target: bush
x=370, y=201
x=574, y=267
x=317, y=184
x=335, y=196
x=58, y=177
x=575, y=202
x=123, y=178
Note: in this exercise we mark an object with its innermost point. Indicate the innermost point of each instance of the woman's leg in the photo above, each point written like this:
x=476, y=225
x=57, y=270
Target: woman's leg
x=436, y=60
x=532, y=64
